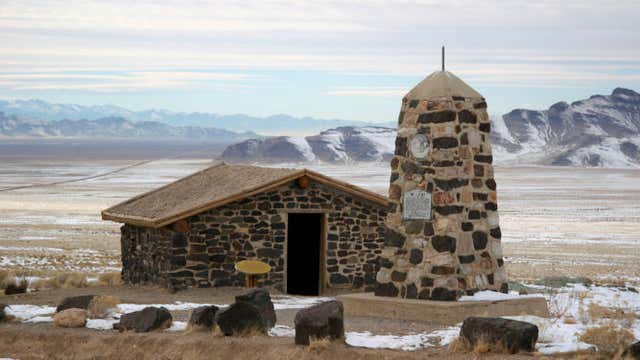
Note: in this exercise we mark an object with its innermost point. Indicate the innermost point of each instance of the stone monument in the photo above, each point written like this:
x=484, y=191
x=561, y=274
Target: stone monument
x=443, y=237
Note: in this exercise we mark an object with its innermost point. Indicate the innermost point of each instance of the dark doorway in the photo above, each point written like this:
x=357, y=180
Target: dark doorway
x=304, y=233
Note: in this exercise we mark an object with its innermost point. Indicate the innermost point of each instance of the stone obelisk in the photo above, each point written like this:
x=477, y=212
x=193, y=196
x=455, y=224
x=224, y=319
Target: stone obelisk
x=443, y=237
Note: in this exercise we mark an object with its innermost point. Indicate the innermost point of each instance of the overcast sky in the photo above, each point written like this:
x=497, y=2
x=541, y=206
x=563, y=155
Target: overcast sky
x=330, y=59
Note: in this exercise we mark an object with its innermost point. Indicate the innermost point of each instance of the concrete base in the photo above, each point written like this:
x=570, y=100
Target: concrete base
x=442, y=312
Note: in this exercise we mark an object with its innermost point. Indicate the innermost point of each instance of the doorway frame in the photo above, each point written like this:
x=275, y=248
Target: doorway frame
x=323, y=246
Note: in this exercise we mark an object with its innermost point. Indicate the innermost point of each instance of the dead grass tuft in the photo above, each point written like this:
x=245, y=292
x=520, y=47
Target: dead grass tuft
x=459, y=345
x=102, y=306
x=110, y=279
x=318, y=345
x=596, y=311
x=63, y=280
x=608, y=338
x=6, y=277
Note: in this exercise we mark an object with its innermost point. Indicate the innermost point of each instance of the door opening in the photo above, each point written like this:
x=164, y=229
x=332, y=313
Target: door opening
x=304, y=234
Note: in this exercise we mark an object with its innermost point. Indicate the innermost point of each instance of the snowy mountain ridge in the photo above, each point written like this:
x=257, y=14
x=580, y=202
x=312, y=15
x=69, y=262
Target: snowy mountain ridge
x=602, y=131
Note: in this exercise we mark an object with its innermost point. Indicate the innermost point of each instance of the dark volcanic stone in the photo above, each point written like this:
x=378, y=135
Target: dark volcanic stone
x=511, y=335
x=444, y=294
x=467, y=117
x=491, y=206
x=261, y=299
x=240, y=318
x=415, y=257
x=413, y=226
x=483, y=158
x=491, y=184
x=467, y=226
x=13, y=289
x=394, y=238
x=426, y=282
x=3, y=315
x=485, y=127
x=179, y=240
x=428, y=229
x=412, y=292
x=443, y=243
x=479, y=240
x=632, y=351
x=324, y=320
x=449, y=209
x=78, y=302
x=401, y=146
x=442, y=270
x=203, y=317
x=466, y=259
x=480, y=105
x=445, y=143
x=338, y=279
x=269, y=253
x=451, y=184
x=437, y=117
x=386, y=289
x=474, y=215
x=409, y=168
x=398, y=276
x=148, y=319
x=496, y=233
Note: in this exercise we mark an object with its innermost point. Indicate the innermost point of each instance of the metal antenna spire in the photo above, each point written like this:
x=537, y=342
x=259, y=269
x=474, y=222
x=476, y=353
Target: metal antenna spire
x=443, y=58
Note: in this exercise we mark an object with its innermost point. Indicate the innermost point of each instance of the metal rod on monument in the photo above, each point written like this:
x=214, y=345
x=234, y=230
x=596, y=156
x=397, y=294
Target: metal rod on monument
x=443, y=58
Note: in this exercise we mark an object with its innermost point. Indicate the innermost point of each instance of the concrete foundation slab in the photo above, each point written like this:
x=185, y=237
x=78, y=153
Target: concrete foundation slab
x=442, y=312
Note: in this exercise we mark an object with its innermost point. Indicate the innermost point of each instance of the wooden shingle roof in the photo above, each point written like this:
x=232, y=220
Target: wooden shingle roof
x=213, y=187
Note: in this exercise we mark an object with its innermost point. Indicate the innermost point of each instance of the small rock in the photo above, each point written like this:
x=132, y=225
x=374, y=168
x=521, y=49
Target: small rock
x=240, y=318
x=203, y=318
x=75, y=302
x=262, y=301
x=148, y=319
x=324, y=320
x=70, y=318
x=632, y=351
x=13, y=289
x=101, y=307
x=510, y=335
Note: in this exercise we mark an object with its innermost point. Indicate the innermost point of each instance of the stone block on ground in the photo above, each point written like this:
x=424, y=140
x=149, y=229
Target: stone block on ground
x=632, y=351
x=261, y=299
x=75, y=302
x=70, y=318
x=148, y=319
x=324, y=320
x=507, y=335
x=241, y=318
x=203, y=318
x=103, y=306
x=13, y=289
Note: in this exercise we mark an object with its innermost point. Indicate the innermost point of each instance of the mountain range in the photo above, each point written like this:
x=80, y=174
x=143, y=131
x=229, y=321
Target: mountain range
x=602, y=131
x=280, y=124
x=111, y=127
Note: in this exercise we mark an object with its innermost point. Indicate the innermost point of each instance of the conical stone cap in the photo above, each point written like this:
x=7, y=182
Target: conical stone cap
x=441, y=84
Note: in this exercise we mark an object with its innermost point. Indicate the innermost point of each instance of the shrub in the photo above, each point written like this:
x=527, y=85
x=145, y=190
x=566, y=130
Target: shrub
x=109, y=279
x=608, y=338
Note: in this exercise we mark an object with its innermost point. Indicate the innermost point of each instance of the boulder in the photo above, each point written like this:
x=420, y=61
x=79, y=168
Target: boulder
x=148, y=319
x=324, y=320
x=632, y=351
x=241, y=318
x=12, y=289
x=506, y=335
x=262, y=301
x=103, y=306
x=75, y=302
x=70, y=318
x=203, y=317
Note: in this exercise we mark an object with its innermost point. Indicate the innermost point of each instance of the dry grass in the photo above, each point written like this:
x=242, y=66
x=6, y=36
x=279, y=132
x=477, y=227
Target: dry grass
x=102, y=306
x=318, y=345
x=459, y=345
x=62, y=280
x=608, y=338
x=5, y=277
x=110, y=279
x=596, y=311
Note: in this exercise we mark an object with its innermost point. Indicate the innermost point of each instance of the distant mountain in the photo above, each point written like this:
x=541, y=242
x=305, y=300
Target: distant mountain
x=602, y=131
x=342, y=144
x=275, y=124
x=111, y=127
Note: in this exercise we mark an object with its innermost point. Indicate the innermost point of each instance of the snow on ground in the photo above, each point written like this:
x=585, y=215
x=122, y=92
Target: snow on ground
x=26, y=312
x=177, y=306
x=178, y=326
x=494, y=296
x=281, y=302
x=101, y=324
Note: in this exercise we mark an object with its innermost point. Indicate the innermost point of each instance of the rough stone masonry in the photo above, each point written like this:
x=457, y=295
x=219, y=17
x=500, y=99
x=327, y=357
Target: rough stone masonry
x=443, y=237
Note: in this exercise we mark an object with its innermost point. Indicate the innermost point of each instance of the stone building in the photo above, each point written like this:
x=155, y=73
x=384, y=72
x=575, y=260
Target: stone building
x=317, y=233
x=443, y=237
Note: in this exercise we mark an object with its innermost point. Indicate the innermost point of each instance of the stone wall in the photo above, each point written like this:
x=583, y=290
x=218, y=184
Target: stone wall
x=458, y=249
x=145, y=254
x=203, y=253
